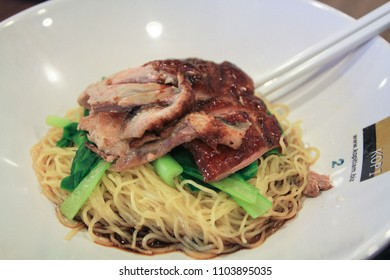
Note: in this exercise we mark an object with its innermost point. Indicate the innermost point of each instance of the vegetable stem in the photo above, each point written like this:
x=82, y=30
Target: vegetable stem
x=167, y=168
x=256, y=209
x=57, y=121
x=249, y=171
x=73, y=203
x=237, y=187
x=246, y=195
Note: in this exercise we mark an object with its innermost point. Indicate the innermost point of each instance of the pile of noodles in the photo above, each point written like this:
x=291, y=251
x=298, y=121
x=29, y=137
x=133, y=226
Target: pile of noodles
x=135, y=210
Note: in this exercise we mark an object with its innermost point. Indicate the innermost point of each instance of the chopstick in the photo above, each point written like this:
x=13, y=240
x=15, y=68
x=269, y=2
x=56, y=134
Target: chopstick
x=324, y=52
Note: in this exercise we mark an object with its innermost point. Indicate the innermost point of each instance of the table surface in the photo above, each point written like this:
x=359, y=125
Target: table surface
x=355, y=9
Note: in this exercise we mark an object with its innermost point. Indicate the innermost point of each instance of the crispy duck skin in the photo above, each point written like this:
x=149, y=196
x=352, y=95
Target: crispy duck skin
x=140, y=114
x=262, y=135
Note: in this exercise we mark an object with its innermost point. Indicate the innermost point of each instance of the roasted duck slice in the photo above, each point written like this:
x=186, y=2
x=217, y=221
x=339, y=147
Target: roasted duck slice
x=140, y=114
x=107, y=133
x=262, y=135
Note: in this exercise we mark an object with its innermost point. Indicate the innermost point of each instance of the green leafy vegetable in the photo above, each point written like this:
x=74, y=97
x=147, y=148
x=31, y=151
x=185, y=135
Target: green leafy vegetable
x=249, y=171
x=85, y=112
x=70, y=131
x=274, y=151
x=167, y=168
x=83, y=162
x=87, y=167
x=234, y=185
x=246, y=195
x=73, y=203
x=71, y=135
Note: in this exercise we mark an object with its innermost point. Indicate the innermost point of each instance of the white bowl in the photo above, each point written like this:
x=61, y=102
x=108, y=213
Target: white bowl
x=49, y=53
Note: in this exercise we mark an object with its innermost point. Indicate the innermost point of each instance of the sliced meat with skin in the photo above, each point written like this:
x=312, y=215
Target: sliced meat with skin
x=149, y=151
x=263, y=134
x=217, y=163
x=104, y=131
x=208, y=107
x=216, y=131
x=208, y=79
x=149, y=106
x=158, y=116
x=143, y=74
x=107, y=130
x=123, y=97
x=140, y=75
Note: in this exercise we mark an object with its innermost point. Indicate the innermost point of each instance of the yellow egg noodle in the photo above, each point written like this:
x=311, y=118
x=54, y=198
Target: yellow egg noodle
x=136, y=210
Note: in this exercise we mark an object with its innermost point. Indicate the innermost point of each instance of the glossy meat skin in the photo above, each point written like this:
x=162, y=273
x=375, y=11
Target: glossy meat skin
x=262, y=135
x=140, y=114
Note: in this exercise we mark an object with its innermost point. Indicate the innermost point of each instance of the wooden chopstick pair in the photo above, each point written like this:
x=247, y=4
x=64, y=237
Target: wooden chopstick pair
x=323, y=52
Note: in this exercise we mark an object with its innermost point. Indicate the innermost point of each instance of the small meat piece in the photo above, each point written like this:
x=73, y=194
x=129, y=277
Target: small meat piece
x=317, y=183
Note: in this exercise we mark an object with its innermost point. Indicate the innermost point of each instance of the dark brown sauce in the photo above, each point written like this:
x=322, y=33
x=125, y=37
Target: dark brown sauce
x=171, y=247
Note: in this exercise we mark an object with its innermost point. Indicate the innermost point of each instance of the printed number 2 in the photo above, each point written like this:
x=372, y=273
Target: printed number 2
x=337, y=163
